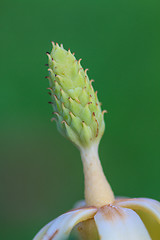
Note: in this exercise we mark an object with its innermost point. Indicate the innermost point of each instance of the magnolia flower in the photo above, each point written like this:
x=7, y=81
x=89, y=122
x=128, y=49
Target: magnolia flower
x=126, y=219
x=80, y=119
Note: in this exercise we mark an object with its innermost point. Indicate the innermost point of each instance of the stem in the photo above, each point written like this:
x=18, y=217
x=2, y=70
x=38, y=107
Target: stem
x=97, y=189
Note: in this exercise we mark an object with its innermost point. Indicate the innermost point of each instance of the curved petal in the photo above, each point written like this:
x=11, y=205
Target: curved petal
x=149, y=212
x=148, y=205
x=61, y=227
x=116, y=223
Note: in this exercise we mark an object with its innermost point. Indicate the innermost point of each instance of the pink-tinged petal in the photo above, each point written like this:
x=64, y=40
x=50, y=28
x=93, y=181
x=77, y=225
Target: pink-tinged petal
x=116, y=223
x=149, y=212
x=61, y=227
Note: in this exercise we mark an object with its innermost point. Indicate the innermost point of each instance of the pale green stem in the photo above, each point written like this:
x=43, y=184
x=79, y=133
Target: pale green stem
x=97, y=189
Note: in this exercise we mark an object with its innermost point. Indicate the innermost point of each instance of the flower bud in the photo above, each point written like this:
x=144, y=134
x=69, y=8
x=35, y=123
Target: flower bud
x=76, y=107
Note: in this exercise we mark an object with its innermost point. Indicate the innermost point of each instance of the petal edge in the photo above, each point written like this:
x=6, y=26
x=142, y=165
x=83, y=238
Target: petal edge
x=61, y=227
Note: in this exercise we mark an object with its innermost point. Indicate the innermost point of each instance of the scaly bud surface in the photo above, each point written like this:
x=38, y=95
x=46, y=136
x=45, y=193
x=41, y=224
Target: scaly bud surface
x=76, y=107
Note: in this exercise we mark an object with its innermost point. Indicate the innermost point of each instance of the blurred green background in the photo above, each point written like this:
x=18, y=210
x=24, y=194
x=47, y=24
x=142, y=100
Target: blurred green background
x=40, y=171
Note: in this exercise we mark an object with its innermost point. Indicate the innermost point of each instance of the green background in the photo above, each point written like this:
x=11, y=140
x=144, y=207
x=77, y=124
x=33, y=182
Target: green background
x=40, y=171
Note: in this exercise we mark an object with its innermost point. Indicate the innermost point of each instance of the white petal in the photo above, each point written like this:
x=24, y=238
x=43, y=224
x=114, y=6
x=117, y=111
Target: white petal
x=148, y=205
x=116, y=223
x=61, y=227
x=148, y=210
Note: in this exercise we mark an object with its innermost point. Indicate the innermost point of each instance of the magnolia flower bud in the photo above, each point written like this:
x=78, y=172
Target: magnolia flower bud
x=76, y=106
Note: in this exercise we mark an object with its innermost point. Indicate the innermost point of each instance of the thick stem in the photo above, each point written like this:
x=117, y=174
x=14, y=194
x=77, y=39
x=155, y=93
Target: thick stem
x=97, y=189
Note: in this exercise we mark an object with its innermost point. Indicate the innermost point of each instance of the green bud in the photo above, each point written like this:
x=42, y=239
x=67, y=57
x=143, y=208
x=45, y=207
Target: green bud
x=76, y=107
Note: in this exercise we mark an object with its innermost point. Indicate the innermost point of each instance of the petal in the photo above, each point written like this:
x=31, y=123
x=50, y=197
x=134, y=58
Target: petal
x=148, y=210
x=79, y=204
x=148, y=205
x=61, y=227
x=116, y=223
